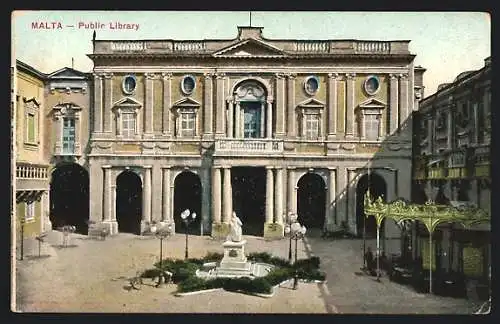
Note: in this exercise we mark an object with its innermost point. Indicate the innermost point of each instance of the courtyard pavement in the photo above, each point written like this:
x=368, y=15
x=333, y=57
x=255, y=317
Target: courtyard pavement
x=91, y=276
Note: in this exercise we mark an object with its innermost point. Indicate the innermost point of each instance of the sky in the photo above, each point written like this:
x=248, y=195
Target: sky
x=445, y=43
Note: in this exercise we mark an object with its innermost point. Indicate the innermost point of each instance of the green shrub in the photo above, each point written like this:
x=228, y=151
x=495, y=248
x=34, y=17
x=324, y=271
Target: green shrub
x=150, y=273
x=310, y=263
x=260, y=257
x=280, y=262
x=191, y=283
x=259, y=285
x=213, y=256
x=278, y=275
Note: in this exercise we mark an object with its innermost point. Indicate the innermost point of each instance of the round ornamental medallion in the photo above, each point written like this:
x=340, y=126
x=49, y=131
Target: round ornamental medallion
x=372, y=85
x=311, y=85
x=129, y=84
x=188, y=84
x=233, y=253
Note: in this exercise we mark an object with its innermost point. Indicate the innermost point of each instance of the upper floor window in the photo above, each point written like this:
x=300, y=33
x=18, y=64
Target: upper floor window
x=31, y=115
x=311, y=125
x=186, y=114
x=129, y=84
x=29, y=212
x=311, y=85
x=128, y=123
x=372, y=126
x=188, y=84
x=188, y=124
x=68, y=135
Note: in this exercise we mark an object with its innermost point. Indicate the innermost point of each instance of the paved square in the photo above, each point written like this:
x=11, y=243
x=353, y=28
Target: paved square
x=92, y=276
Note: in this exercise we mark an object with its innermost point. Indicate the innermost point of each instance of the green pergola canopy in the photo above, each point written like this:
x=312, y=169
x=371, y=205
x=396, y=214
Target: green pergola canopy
x=430, y=213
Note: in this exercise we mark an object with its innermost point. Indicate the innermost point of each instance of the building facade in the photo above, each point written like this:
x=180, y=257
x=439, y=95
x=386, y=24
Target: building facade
x=452, y=166
x=31, y=174
x=249, y=124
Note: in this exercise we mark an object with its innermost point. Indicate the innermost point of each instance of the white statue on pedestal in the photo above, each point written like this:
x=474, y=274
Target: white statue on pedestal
x=235, y=234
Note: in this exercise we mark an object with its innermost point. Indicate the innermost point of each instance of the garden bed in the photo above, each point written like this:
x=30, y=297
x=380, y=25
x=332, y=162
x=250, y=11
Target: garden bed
x=184, y=274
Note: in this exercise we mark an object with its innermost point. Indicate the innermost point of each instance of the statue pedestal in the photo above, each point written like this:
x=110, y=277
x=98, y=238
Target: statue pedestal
x=234, y=263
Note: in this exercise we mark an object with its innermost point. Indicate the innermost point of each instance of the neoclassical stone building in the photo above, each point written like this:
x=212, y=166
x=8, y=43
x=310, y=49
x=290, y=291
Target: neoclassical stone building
x=259, y=126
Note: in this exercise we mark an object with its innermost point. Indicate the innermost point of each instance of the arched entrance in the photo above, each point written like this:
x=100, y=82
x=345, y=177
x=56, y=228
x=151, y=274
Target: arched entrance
x=129, y=202
x=69, y=197
x=250, y=110
x=311, y=201
x=187, y=195
x=378, y=188
x=249, y=198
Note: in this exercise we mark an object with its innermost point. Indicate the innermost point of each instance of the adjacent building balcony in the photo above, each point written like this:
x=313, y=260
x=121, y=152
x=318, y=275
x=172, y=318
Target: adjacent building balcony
x=31, y=177
x=248, y=147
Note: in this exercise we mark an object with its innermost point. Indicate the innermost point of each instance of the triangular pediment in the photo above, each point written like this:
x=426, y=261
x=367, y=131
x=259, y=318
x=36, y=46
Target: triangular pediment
x=67, y=73
x=250, y=48
x=32, y=101
x=68, y=105
x=187, y=103
x=311, y=103
x=373, y=104
x=127, y=102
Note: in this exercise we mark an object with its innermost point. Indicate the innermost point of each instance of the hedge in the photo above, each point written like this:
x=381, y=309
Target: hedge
x=184, y=273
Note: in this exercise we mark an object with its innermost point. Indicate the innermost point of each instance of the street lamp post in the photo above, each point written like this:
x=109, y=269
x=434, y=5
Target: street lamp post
x=187, y=218
x=292, y=218
x=297, y=232
x=162, y=233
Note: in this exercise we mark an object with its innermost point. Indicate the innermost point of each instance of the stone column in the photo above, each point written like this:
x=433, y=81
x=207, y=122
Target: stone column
x=221, y=107
x=349, y=126
x=393, y=104
x=269, y=194
x=291, y=190
x=78, y=131
x=106, y=210
x=166, y=216
x=279, y=196
x=230, y=119
x=208, y=106
x=157, y=173
x=351, y=199
x=227, y=202
x=237, y=128
x=216, y=195
x=269, y=115
x=332, y=197
x=96, y=185
x=332, y=105
x=167, y=103
x=148, y=104
x=291, y=118
x=46, y=223
x=403, y=99
x=108, y=103
x=146, y=195
x=98, y=104
x=113, y=201
x=341, y=200
x=281, y=95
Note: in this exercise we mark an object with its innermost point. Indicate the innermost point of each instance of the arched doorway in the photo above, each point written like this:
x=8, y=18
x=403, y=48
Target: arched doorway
x=69, y=197
x=250, y=110
x=249, y=198
x=187, y=195
x=129, y=202
x=378, y=188
x=311, y=201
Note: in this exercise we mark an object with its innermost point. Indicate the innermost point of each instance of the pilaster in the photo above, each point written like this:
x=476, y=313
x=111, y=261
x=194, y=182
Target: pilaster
x=146, y=195
x=349, y=125
x=291, y=122
x=108, y=96
x=221, y=109
x=227, y=202
x=167, y=103
x=98, y=103
x=332, y=105
x=208, y=106
x=403, y=100
x=269, y=194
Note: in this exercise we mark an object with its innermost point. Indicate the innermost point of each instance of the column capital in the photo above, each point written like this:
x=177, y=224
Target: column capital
x=279, y=75
x=220, y=75
x=106, y=166
x=291, y=168
x=226, y=167
x=403, y=76
x=166, y=75
x=149, y=75
x=208, y=75
x=291, y=76
x=350, y=76
x=333, y=75
x=269, y=167
x=108, y=75
x=147, y=166
x=332, y=168
x=97, y=76
x=166, y=167
x=393, y=76
x=269, y=100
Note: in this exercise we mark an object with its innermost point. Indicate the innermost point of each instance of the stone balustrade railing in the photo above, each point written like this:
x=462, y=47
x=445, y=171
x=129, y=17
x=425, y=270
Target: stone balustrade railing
x=456, y=159
x=249, y=145
x=194, y=46
x=372, y=47
x=25, y=171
